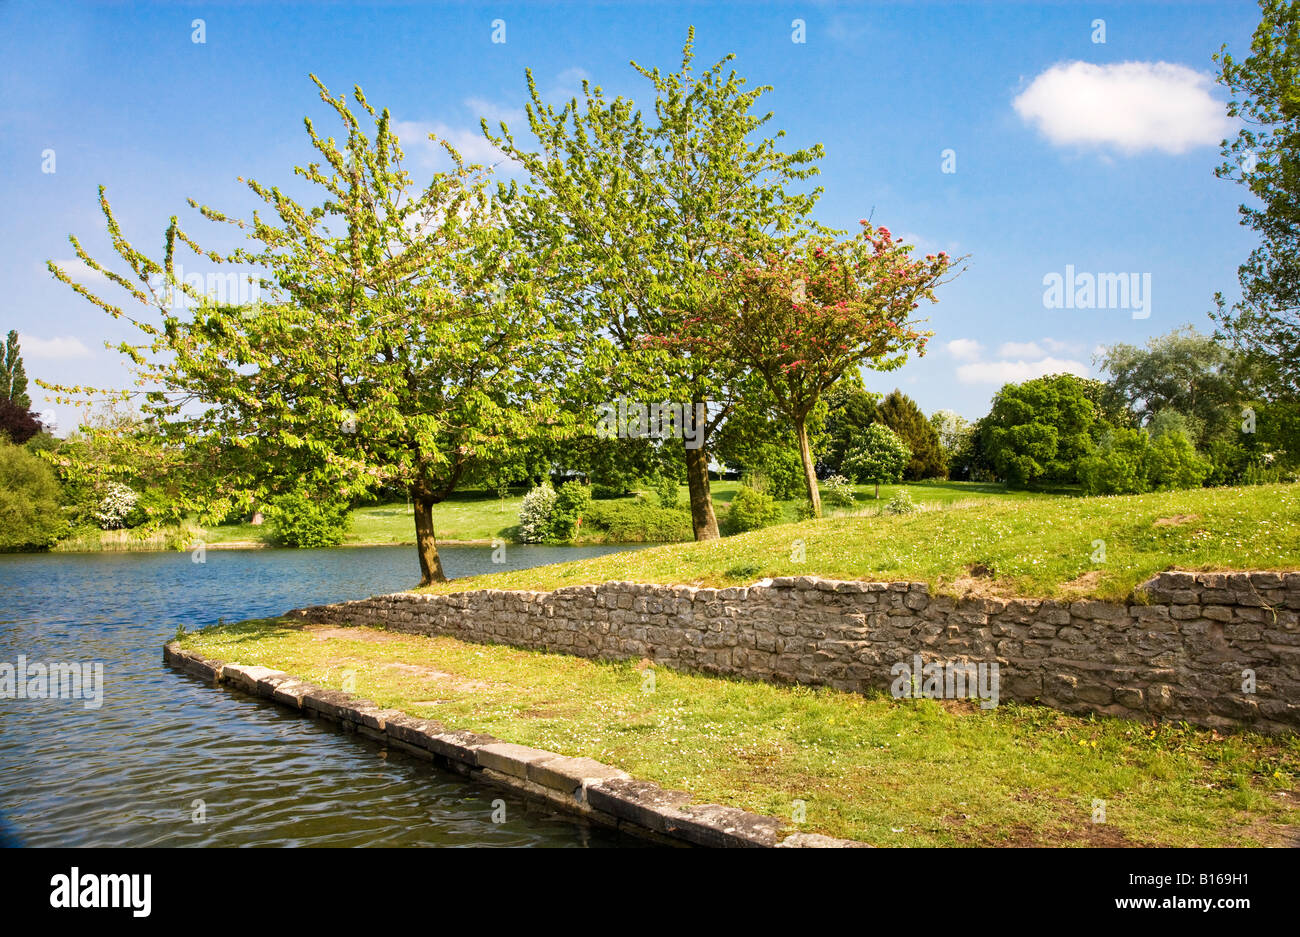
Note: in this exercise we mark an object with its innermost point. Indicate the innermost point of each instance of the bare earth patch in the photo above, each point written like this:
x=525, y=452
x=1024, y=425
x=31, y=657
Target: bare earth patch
x=1085, y=584
x=1177, y=520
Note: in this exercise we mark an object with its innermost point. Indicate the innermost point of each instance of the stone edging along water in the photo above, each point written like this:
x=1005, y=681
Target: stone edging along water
x=580, y=786
x=1219, y=650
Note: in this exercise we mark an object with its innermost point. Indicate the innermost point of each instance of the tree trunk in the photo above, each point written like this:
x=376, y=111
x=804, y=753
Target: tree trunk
x=426, y=544
x=703, y=520
x=877, y=489
x=809, y=473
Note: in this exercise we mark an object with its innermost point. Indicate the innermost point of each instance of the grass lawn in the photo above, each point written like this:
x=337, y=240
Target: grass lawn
x=1037, y=546
x=885, y=771
x=480, y=515
x=477, y=515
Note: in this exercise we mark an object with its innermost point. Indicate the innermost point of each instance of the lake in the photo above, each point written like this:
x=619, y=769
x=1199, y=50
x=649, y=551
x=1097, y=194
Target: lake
x=165, y=749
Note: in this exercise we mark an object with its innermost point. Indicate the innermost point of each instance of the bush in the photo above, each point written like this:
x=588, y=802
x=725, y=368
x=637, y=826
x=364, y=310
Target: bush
x=1119, y=466
x=751, y=510
x=637, y=522
x=535, y=514
x=307, y=518
x=30, y=514
x=666, y=491
x=1173, y=463
x=900, y=503
x=571, y=502
x=115, y=507
x=837, y=491
x=784, y=471
x=1128, y=462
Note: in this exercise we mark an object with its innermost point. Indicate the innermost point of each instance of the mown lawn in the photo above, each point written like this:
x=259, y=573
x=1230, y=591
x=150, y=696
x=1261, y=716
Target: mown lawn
x=889, y=772
x=1038, y=546
x=477, y=515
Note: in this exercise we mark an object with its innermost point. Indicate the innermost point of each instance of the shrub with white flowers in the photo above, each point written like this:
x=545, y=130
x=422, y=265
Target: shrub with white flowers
x=837, y=491
x=535, y=514
x=114, y=508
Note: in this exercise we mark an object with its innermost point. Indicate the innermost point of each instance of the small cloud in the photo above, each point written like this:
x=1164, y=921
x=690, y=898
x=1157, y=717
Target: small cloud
x=67, y=347
x=1057, y=347
x=1131, y=106
x=470, y=143
x=1021, y=350
x=1013, y=372
x=494, y=113
x=964, y=349
x=568, y=83
x=78, y=271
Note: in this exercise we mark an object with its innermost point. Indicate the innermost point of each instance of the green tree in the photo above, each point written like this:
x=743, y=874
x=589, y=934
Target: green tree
x=878, y=455
x=31, y=517
x=399, y=344
x=952, y=428
x=1039, y=430
x=13, y=378
x=1182, y=371
x=902, y=414
x=630, y=213
x=850, y=409
x=1265, y=158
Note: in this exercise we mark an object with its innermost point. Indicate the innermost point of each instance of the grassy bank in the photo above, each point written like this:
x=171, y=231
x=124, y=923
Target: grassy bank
x=885, y=771
x=481, y=516
x=1040, y=546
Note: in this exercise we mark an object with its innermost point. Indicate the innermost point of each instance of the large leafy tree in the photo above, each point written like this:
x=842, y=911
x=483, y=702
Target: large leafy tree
x=1183, y=371
x=905, y=417
x=1039, y=430
x=630, y=211
x=13, y=377
x=803, y=316
x=1265, y=157
x=398, y=345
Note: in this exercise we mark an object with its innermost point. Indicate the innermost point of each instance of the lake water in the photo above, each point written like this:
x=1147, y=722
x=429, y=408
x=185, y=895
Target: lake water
x=166, y=748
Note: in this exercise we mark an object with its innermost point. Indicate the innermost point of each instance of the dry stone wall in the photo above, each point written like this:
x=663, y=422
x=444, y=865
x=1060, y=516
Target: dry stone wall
x=1214, y=649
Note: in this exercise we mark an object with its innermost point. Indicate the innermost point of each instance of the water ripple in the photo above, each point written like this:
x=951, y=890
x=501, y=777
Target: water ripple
x=164, y=747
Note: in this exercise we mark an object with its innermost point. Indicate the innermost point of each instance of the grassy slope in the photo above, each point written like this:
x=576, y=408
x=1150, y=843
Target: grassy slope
x=1038, y=546
x=889, y=772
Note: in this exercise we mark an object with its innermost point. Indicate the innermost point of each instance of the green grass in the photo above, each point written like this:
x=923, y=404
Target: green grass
x=480, y=516
x=1039, y=546
x=885, y=771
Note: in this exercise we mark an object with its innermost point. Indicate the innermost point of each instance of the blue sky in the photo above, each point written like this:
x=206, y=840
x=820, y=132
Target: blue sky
x=1068, y=152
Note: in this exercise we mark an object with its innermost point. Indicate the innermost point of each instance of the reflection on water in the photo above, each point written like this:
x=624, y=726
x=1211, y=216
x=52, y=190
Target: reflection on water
x=165, y=748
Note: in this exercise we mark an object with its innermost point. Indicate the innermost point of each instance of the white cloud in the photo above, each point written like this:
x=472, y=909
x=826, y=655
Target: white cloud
x=78, y=270
x=1004, y=372
x=469, y=143
x=1132, y=106
x=1021, y=350
x=494, y=113
x=67, y=347
x=964, y=349
x=568, y=84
